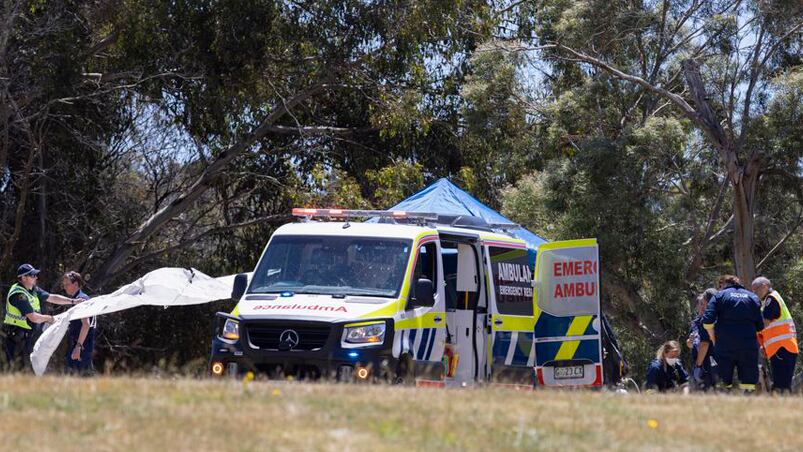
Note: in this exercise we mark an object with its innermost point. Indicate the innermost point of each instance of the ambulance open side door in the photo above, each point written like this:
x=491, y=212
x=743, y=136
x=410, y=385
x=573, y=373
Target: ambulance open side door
x=568, y=346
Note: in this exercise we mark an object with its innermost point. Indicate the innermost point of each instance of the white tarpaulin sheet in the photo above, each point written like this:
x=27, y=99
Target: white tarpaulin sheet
x=162, y=287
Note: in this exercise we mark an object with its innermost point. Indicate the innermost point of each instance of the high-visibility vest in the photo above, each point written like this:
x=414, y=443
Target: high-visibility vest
x=13, y=315
x=781, y=332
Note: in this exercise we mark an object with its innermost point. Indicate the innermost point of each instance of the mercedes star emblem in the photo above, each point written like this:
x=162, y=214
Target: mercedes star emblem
x=289, y=337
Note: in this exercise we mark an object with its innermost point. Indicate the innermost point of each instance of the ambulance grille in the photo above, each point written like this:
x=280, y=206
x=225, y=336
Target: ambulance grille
x=267, y=336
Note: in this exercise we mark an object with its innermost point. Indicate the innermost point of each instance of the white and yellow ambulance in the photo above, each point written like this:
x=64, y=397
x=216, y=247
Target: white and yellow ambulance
x=414, y=297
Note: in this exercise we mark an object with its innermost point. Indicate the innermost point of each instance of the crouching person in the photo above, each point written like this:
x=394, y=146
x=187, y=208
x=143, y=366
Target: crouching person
x=81, y=332
x=665, y=372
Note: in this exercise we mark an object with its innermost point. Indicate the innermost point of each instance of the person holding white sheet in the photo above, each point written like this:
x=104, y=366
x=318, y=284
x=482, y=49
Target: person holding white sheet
x=81, y=332
x=23, y=314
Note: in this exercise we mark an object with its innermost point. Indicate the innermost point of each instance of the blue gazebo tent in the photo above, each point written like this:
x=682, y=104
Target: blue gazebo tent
x=444, y=197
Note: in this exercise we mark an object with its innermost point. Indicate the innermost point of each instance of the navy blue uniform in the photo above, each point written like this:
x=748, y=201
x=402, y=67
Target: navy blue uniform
x=664, y=377
x=74, y=331
x=699, y=335
x=735, y=313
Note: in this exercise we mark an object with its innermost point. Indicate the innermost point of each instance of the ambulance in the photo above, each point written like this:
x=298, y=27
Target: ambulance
x=414, y=297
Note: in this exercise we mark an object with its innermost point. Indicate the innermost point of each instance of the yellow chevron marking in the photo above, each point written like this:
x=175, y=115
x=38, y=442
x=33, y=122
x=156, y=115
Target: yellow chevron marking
x=567, y=350
x=579, y=325
x=576, y=328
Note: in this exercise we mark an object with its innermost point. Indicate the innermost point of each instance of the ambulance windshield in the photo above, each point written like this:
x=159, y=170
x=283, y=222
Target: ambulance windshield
x=332, y=265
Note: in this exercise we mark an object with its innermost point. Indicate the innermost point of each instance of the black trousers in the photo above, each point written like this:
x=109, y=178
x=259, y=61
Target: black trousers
x=18, y=347
x=745, y=361
x=783, y=369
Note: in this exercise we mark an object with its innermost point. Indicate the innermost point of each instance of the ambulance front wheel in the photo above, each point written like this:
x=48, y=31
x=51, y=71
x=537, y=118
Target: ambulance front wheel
x=405, y=371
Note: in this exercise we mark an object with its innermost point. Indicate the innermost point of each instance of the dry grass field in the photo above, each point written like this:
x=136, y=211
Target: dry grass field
x=56, y=413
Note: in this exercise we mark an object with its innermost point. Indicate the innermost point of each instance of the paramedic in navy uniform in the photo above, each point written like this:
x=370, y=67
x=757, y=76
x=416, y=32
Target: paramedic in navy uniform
x=732, y=319
x=665, y=372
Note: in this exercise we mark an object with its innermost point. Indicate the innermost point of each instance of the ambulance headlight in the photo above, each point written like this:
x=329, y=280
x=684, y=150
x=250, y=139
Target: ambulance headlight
x=366, y=334
x=231, y=330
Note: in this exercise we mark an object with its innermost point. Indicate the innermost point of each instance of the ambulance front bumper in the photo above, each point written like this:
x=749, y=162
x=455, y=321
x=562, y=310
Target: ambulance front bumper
x=300, y=349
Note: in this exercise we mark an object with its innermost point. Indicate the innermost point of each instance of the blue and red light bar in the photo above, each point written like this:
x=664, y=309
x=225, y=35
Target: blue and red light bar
x=306, y=212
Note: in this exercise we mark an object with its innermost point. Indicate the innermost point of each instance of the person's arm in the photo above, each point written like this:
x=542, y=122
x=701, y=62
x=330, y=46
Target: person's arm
x=772, y=311
x=20, y=302
x=652, y=375
x=702, y=351
x=59, y=299
x=35, y=317
x=709, y=318
x=79, y=345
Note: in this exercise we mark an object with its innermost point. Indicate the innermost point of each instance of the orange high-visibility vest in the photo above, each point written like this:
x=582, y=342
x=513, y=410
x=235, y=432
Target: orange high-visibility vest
x=781, y=332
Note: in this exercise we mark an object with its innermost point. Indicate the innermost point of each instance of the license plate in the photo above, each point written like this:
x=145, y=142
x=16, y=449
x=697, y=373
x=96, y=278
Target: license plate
x=569, y=372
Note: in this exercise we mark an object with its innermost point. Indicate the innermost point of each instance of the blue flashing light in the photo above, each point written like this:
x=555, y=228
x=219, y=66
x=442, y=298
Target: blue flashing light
x=287, y=294
x=353, y=354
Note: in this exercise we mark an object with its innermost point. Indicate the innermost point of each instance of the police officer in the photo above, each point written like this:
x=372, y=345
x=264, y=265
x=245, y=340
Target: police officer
x=732, y=319
x=702, y=350
x=779, y=337
x=23, y=312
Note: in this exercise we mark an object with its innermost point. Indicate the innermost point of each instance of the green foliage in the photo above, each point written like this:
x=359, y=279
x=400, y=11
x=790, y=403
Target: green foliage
x=497, y=141
x=391, y=184
x=526, y=203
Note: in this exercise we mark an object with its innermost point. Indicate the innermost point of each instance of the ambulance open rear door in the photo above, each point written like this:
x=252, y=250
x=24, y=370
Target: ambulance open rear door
x=566, y=304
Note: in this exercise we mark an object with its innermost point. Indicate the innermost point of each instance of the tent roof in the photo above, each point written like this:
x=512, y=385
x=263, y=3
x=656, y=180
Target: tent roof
x=444, y=197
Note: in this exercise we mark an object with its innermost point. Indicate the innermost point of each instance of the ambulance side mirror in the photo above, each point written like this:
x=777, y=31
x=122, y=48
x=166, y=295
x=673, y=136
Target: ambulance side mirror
x=424, y=297
x=238, y=289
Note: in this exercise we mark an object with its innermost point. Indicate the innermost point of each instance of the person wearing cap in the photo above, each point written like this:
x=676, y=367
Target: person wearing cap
x=779, y=338
x=81, y=332
x=732, y=319
x=23, y=311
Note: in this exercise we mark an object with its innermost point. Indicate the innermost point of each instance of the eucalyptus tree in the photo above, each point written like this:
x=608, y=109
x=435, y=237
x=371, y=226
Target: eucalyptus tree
x=717, y=65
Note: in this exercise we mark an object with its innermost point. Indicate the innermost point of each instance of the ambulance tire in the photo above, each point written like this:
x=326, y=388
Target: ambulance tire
x=405, y=371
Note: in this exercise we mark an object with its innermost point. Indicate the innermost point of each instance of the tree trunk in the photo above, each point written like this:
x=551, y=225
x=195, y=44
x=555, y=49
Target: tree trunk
x=744, y=194
x=24, y=187
x=743, y=223
x=43, y=211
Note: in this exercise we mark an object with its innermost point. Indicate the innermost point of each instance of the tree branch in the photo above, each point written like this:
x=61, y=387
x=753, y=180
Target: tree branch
x=319, y=130
x=103, y=44
x=272, y=219
x=798, y=222
x=185, y=200
x=678, y=101
x=723, y=230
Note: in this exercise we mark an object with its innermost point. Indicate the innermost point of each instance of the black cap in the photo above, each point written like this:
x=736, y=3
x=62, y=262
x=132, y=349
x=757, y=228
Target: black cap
x=26, y=270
